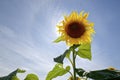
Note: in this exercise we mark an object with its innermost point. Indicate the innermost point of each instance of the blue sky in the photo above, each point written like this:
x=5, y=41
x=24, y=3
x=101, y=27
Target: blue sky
x=28, y=28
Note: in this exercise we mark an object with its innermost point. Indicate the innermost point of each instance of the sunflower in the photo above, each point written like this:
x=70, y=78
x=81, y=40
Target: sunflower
x=111, y=68
x=76, y=29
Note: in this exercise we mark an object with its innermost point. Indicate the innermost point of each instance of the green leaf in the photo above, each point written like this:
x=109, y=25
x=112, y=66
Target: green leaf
x=80, y=71
x=15, y=78
x=75, y=46
x=84, y=51
x=12, y=75
x=58, y=70
x=68, y=54
x=20, y=71
x=60, y=38
x=31, y=77
x=71, y=48
x=104, y=74
x=60, y=58
x=67, y=68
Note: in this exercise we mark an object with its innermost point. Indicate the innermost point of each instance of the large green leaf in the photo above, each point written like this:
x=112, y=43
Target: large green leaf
x=31, y=77
x=15, y=78
x=60, y=58
x=104, y=74
x=80, y=72
x=66, y=54
x=12, y=76
x=84, y=51
x=58, y=70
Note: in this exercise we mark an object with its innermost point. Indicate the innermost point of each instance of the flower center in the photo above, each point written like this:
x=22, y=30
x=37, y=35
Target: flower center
x=75, y=30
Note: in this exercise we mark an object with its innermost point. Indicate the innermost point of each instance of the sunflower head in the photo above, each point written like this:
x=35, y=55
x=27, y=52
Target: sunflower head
x=76, y=29
x=111, y=68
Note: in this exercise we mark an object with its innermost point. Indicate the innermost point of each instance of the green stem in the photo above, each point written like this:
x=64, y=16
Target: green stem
x=70, y=73
x=70, y=61
x=74, y=66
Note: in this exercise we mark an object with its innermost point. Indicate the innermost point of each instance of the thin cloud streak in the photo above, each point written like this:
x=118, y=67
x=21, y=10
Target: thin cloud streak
x=26, y=36
x=22, y=54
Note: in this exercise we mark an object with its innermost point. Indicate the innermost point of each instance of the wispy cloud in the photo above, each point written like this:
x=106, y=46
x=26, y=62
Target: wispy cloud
x=24, y=44
x=26, y=35
x=18, y=47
